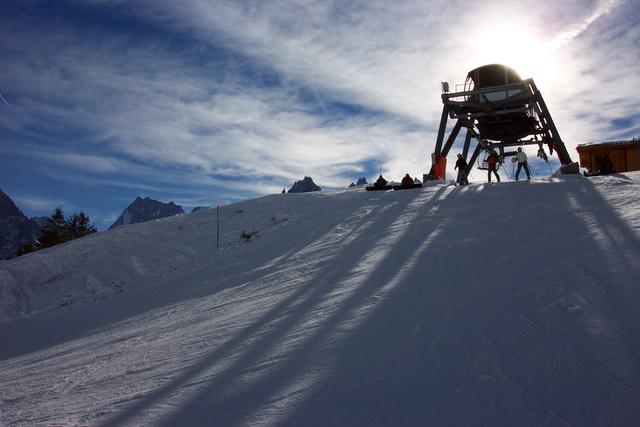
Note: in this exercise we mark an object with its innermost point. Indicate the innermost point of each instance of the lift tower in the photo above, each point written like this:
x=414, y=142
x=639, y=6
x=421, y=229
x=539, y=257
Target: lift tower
x=500, y=111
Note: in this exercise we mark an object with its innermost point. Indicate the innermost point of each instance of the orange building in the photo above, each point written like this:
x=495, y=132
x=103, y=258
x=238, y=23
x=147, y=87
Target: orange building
x=625, y=155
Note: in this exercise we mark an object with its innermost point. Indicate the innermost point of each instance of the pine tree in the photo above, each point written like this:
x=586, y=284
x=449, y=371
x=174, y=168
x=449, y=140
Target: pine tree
x=84, y=225
x=53, y=233
x=59, y=230
x=71, y=227
x=78, y=225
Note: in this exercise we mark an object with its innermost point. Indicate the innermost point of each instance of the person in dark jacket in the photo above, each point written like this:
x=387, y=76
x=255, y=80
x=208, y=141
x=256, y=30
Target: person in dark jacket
x=461, y=166
x=407, y=181
x=492, y=164
x=606, y=166
x=380, y=182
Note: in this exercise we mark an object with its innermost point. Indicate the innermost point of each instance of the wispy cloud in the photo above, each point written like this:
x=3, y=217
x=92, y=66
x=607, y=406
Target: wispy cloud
x=602, y=7
x=391, y=58
x=38, y=203
x=240, y=128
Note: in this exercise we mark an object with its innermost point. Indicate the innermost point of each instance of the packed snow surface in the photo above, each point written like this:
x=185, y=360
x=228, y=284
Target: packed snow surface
x=488, y=304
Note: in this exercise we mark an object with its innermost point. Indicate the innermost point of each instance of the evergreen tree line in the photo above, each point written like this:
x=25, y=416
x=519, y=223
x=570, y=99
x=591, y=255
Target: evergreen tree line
x=60, y=229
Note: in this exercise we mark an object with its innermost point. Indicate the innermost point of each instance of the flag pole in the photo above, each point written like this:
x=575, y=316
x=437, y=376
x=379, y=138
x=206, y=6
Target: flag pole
x=217, y=224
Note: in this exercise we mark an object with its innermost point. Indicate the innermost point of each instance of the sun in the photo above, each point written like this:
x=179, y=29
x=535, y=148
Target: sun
x=515, y=46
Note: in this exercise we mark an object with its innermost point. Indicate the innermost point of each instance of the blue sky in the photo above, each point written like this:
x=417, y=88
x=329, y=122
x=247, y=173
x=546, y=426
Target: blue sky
x=197, y=101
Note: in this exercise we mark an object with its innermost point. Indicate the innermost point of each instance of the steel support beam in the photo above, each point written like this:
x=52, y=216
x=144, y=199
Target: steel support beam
x=473, y=159
x=467, y=143
x=559, y=146
x=441, y=130
x=452, y=138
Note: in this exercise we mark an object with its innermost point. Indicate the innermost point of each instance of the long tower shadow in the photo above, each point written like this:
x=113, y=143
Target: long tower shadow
x=481, y=333
x=260, y=335
x=313, y=329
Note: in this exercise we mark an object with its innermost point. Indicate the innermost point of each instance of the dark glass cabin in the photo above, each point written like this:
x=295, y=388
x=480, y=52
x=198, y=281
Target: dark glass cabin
x=491, y=75
x=499, y=124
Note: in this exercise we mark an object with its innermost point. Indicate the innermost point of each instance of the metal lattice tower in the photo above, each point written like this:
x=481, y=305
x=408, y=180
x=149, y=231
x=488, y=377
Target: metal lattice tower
x=500, y=111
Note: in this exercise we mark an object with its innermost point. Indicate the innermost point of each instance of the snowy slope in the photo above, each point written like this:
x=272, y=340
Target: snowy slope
x=500, y=304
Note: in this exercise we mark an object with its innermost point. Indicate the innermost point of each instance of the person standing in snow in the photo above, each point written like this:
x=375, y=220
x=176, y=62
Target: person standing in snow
x=492, y=165
x=461, y=166
x=521, y=158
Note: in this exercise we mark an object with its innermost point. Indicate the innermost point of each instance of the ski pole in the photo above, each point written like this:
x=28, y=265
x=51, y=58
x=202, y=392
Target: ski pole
x=506, y=171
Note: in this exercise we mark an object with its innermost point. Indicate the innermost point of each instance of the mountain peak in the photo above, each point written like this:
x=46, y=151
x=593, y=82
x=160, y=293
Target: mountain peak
x=305, y=186
x=147, y=209
x=16, y=229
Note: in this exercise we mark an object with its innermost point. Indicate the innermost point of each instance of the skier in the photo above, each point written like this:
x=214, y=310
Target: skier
x=521, y=158
x=492, y=164
x=461, y=166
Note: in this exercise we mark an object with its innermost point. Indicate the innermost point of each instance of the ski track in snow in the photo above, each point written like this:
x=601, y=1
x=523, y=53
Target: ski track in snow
x=488, y=304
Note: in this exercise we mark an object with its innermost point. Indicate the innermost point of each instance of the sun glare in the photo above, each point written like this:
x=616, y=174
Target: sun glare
x=516, y=47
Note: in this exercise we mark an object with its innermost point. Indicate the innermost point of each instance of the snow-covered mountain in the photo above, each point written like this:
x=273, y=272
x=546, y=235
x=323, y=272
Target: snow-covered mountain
x=487, y=304
x=147, y=209
x=16, y=229
x=306, y=185
x=361, y=181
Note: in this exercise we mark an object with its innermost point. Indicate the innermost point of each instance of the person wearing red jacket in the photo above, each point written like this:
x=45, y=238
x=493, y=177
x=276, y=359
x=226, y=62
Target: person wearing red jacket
x=492, y=164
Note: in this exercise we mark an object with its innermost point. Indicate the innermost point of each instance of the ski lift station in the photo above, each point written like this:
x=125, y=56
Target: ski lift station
x=500, y=111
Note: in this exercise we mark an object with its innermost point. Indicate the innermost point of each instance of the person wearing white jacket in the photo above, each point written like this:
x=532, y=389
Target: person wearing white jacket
x=521, y=157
